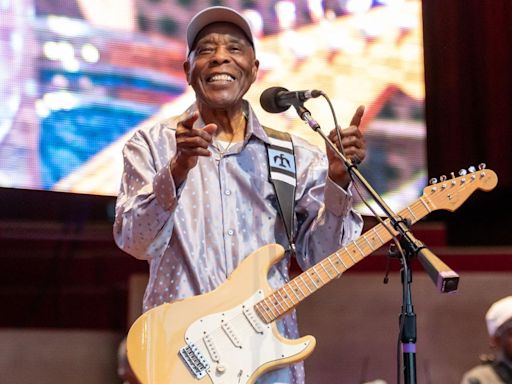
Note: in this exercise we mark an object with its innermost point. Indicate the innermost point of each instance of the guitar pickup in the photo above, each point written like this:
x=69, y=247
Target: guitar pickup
x=210, y=346
x=230, y=332
x=251, y=317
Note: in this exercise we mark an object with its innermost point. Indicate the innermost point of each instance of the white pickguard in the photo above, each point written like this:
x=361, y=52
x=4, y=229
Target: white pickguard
x=237, y=348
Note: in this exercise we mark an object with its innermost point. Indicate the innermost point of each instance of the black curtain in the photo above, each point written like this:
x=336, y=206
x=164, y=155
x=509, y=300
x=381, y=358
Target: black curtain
x=468, y=62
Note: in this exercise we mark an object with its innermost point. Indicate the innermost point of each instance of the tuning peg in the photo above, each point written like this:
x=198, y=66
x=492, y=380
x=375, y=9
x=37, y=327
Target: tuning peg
x=463, y=172
x=442, y=178
x=432, y=181
x=481, y=166
x=472, y=169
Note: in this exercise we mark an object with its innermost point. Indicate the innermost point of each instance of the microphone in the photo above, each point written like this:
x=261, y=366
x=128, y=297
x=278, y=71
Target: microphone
x=445, y=279
x=279, y=99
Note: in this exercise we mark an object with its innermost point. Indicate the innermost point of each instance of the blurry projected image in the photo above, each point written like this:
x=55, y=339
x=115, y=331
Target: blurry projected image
x=76, y=82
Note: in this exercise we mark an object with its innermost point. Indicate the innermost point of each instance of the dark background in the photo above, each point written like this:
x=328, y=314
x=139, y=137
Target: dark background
x=468, y=58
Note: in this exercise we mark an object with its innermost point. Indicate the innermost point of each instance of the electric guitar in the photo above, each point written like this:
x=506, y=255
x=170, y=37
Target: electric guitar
x=229, y=335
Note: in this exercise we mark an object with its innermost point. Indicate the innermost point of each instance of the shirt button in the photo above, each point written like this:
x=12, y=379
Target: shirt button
x=230, y=232
x=228, y=192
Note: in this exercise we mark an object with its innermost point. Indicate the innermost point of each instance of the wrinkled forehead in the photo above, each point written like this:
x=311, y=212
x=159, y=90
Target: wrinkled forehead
x=222, y=28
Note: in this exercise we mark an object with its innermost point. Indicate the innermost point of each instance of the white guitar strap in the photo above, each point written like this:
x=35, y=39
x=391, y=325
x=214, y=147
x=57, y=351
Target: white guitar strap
x=283, y=176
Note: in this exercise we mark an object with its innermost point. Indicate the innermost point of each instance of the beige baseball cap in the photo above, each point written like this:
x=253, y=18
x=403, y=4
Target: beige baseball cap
x=215, y=15
x=498, y=314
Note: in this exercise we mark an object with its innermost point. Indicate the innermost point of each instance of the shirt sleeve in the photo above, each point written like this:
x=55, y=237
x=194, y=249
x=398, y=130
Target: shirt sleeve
x=326, y=220
x=147, y=199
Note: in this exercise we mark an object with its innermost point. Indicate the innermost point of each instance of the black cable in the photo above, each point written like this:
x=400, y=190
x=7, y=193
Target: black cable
x=384, y=224
x=398, y=349
x=354, y=182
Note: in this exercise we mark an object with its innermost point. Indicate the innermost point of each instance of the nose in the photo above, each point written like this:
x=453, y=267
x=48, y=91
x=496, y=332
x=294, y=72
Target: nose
x=221, y=56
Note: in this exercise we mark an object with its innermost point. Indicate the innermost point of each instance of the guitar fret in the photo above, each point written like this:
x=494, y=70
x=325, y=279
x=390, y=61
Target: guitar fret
x=307, y=286
x=350, y=255
x=300, y=289
x=336, y=269
x=284, y=298
x=313, y=281
x=319, y=275
x=377, y=233
x=358, y=248
x=293, y=291
x=295, y=300
x=412, y=213
x=326, y=271
x=368, y=242
x=277, y=301
x=265, y=314
x=342, y=262
x=270, y=308
x=425, y=204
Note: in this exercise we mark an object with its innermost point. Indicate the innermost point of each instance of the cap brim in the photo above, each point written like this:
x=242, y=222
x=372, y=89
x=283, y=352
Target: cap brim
x=216, y=15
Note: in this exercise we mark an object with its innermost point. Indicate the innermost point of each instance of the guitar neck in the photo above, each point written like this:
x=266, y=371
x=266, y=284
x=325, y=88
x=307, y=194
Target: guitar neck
x=291, y=294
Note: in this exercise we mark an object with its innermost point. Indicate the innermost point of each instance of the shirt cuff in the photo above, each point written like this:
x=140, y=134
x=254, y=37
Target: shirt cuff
x=337, y=200
x=165, y=189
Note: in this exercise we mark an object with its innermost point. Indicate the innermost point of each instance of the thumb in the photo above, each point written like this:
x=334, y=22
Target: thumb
x=210, y=128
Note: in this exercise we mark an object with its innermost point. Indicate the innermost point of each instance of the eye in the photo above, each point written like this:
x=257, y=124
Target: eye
x=204, y=50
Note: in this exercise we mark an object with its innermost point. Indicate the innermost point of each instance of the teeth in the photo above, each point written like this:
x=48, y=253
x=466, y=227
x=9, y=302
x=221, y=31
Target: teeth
x=221, y=77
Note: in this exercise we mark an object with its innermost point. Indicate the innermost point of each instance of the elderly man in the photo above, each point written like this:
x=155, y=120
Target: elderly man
x=195, y=198
x=499, y=326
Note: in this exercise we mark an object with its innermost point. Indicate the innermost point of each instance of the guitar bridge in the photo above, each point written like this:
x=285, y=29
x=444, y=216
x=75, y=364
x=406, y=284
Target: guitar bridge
x=195, y=360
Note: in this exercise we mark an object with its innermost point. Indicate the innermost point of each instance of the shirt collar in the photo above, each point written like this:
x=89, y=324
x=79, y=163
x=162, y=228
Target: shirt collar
x=254, y=127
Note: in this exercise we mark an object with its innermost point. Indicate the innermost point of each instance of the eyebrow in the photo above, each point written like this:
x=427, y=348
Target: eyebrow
x=231, y=39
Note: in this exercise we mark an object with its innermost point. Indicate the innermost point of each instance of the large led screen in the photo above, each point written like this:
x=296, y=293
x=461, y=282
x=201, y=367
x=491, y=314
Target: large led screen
x=77, y=77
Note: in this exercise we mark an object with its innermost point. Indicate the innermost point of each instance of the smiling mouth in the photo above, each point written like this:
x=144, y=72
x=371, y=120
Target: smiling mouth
x=220, y=77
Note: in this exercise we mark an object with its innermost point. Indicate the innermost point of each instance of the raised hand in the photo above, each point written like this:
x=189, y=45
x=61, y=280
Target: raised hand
x=190, y=144
x=354, y=147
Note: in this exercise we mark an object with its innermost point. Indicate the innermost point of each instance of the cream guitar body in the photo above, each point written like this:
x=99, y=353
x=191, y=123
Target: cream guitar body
x=217, y=337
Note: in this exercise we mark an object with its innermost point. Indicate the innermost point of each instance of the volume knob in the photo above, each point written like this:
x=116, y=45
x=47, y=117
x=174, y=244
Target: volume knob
x=220, y=368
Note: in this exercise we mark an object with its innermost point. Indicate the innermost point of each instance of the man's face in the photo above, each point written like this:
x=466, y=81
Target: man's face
x=222, y=66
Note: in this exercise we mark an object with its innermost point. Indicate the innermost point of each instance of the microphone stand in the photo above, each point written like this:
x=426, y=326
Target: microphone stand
x=444, y=278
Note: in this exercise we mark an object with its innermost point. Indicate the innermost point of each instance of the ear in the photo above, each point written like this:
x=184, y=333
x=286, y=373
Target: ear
x=255, y=68
x=186, y=69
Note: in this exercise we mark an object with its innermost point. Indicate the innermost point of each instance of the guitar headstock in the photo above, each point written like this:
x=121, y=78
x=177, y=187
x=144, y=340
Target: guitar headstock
x=450, y=193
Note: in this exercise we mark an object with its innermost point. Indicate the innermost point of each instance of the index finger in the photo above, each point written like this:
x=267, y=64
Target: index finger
x=358, y=115
x=189, y=121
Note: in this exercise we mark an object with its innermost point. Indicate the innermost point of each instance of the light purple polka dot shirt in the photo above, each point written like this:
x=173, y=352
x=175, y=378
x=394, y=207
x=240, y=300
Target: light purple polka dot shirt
x=194, y=236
